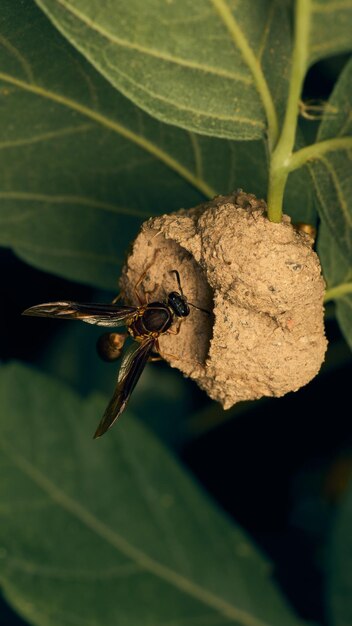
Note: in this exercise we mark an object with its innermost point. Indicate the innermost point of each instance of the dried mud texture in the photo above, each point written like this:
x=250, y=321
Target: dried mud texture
x=263, y=283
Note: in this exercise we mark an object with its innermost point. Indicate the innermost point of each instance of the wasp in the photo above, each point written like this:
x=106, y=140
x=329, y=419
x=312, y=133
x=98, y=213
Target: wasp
x=144, y=323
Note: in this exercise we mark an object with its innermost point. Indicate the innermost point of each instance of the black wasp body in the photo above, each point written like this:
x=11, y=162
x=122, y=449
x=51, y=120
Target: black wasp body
x=144, y=323
x=157, y=318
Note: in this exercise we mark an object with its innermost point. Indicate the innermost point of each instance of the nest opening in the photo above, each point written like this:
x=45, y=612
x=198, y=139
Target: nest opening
x=153, y=262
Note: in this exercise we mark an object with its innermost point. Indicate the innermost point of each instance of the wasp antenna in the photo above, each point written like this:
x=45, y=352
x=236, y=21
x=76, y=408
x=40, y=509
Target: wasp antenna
x=199, y=308
x=178, y=280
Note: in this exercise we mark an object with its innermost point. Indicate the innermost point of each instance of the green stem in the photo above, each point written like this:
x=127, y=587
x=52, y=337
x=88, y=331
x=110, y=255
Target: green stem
x=335, y=293
x=279, y=168
x=316, y=150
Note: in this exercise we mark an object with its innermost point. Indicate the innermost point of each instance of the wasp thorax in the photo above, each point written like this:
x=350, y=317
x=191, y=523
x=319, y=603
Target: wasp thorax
x=156, y=318
x=263, y=283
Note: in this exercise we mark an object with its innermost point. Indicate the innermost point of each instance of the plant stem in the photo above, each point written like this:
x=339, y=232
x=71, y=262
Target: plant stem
x=280, y=160
x=335, y=293
x=316, y=150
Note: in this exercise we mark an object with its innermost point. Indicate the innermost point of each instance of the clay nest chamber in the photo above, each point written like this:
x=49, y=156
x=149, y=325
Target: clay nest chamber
x=261, y=282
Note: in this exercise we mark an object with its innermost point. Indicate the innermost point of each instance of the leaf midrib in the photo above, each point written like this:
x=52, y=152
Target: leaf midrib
x=114, y=126
x=240, y=42
x=48, y=251
x=72, y=200
x=118, y=542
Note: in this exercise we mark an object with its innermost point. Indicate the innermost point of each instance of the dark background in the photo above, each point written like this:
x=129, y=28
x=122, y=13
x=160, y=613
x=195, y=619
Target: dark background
x=279, y=467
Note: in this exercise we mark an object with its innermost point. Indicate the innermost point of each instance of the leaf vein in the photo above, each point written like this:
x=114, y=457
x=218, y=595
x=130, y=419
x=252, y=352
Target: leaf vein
x=26, y=141
x=234, y=117
x=71, y=200
x=331, y=7
x=240, y=42
x=65, y=252
x=197, y=154
x=325, y=46
x=150, y=51
x=117, y=541
x=266, y=30
x=101, y=119
x=335, y=180
x=19, y=57
x=62, y=573
x=345, y=130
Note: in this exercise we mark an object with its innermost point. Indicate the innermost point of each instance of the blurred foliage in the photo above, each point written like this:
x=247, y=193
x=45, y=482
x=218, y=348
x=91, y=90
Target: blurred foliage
x=340, y=557
x=98, y=562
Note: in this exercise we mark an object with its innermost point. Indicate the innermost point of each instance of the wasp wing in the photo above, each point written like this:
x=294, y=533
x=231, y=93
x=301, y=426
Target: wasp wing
x=132, y=366
x=91, y=313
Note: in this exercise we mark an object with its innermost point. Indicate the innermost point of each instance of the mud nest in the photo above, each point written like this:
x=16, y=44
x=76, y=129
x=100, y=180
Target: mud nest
x=262, y=284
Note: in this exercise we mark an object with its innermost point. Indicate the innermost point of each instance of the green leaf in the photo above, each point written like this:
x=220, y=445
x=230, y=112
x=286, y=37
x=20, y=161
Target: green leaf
x=81, y=166
x=340, y=566
x=113, y=531
x=331, y=172
x=337, y=272
x=331, y=24
x=344, y=315
x=331, y=176
x=211, y=67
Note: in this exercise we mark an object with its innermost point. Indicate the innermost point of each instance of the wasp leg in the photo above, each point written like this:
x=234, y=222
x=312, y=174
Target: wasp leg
x=171, y=331
x=178, y=280
x=118, y=297
x=166, y=354
x=140, y=279
x=135, y=288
